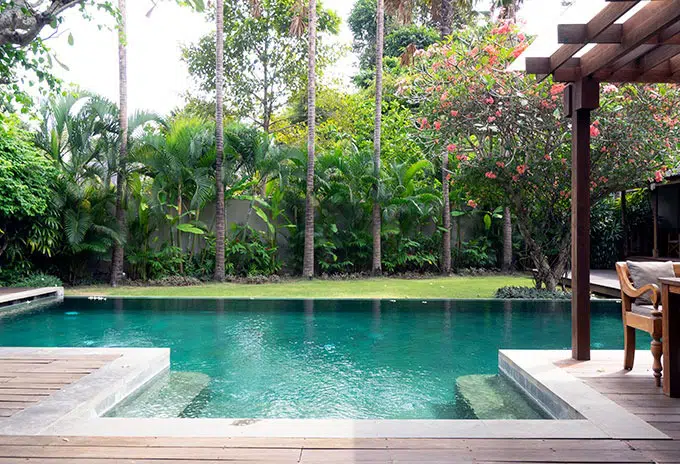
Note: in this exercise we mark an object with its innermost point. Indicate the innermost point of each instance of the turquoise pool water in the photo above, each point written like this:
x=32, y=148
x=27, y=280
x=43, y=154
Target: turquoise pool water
x=320, y=359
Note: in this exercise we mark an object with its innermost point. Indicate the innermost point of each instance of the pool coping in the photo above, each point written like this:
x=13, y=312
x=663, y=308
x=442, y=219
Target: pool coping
x=92, y=395
x=563, y=395
x=76, y=410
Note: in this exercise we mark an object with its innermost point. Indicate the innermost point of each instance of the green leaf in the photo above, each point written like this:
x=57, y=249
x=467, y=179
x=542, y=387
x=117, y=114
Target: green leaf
x=70, y=39
x=487, y=221
x=190, y=229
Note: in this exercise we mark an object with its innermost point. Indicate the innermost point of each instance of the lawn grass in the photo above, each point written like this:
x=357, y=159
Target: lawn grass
x=443, y=287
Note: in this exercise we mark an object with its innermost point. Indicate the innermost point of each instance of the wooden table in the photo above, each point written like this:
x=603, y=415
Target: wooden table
x=670, y=302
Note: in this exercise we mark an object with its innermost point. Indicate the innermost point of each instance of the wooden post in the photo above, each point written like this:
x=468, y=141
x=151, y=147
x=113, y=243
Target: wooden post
x=584, y=97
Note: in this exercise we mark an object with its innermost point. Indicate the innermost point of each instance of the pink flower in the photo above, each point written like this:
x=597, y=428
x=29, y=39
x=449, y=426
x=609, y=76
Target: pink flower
x=499, y=113
x=557, y=89
x=610, y=88
x=490, y=49
x=490, y=175
x=594, y=131
x=461, y=157
x=454, y=113
x=491, y=118
x=500, y=164
x=522, y=168
x=472, y=203
x=547, y=157
x=489, y=100
x=658, y=177
x=515, y=178
x=451, y=148
x=437, y=125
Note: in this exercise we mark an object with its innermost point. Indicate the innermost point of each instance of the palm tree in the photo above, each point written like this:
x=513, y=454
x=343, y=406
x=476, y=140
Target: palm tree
x=507, y=240
x=376, y=266
x=180, y=162
x=117, y=258
x=446, y=215
x=308, y=262
x=219, y=142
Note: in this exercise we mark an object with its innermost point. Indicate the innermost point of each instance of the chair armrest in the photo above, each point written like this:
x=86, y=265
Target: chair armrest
x=633, y=292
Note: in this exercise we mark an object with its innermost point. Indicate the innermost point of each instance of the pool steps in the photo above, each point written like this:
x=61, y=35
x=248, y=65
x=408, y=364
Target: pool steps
x=167, y=397
x=492, y=397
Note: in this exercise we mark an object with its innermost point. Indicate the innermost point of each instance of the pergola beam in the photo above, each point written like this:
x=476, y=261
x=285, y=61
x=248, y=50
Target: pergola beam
x=644, y=25
x=605, y=18
x=658, y=56
x=577, y=34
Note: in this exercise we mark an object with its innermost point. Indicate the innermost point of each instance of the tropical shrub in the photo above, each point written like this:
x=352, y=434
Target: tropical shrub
x=531, y=293
x=37, y=280
x=26, y=191
x=475, y=254
x=246, y=254
x=606, y=234
x=418, y=254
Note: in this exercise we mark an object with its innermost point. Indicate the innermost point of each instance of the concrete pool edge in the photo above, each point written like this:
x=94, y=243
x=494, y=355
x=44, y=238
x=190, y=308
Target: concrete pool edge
x=76, y=410
x=92, y=395
x=564, y=395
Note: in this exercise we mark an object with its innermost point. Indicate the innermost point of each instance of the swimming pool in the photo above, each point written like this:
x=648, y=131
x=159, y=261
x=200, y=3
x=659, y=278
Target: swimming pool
x=318, y=359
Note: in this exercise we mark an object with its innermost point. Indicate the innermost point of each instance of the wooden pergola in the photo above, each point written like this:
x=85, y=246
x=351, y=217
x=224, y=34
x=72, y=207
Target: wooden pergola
x=626, y=41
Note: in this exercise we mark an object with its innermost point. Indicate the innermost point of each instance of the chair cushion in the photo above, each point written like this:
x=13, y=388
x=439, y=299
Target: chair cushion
x=643, y=310
x=648, y=272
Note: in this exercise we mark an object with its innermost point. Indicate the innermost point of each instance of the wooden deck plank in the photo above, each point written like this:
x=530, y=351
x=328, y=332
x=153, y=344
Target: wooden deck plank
x=24, y=451
x=320, y=443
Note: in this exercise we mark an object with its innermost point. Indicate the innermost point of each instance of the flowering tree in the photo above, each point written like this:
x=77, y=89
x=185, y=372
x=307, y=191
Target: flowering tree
x=509, y=142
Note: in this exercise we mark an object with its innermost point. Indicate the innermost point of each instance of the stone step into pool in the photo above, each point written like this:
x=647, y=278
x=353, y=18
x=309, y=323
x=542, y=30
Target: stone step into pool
x=168, y=396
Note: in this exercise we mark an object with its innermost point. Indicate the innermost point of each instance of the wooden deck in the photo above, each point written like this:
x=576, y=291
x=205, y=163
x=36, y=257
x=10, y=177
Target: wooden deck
x=24, y=381
x=13, y=295
x=35, y=378
x=602, y=282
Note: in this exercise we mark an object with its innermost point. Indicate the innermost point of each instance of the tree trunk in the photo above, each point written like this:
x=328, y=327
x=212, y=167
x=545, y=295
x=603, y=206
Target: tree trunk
x=446, y=216
x=219, y=142
x=507, y=240
x=308, y=262
x=445, y=15
x=624, y=223
x=118, y=256
x=376, y=267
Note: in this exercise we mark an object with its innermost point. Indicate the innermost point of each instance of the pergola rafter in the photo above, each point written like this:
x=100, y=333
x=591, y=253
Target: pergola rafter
x=627, y=41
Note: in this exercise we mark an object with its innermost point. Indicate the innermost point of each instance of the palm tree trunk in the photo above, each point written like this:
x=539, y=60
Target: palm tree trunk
x=446, y=216
x=308, y=261
x=219, y=142
x=376, y=267
x=445, y=14
x=507, y=240
x=117, y=259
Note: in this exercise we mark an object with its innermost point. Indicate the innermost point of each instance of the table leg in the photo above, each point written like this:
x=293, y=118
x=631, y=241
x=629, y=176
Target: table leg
x=670, y=302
